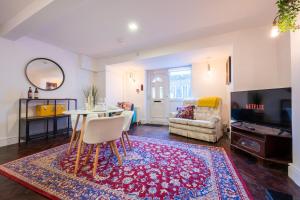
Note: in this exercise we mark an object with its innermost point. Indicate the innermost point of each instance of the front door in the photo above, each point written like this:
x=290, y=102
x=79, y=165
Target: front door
x=159, y=97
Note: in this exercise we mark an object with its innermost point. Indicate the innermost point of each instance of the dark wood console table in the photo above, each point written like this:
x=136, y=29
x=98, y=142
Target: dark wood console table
x=25, y=120
x=266, y=143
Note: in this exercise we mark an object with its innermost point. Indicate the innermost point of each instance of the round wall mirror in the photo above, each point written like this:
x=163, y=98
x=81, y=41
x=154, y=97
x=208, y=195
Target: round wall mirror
x=44, y=74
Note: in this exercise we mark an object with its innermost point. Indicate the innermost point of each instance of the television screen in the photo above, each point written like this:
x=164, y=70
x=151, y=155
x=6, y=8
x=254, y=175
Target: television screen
x=272, y=107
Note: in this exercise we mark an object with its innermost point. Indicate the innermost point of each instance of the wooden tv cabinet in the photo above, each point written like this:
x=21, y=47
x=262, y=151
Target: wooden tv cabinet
x=266, y=143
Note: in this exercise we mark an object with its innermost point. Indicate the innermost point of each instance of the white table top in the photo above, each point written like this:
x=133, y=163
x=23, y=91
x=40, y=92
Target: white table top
x=87, y=112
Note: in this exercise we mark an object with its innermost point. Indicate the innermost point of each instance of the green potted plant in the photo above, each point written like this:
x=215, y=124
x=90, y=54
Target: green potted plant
x=286, y=19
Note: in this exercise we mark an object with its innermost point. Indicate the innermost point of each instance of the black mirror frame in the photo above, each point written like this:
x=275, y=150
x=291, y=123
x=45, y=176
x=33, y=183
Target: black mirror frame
x=63, y=73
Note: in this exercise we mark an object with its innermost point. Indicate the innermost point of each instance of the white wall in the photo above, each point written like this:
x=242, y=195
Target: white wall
x=259, y=61
x=211, y=83
x=119, y=87
x=100, y=83
x=294, y=169
x=13, y=57
x=130, y=93
x=114, y=85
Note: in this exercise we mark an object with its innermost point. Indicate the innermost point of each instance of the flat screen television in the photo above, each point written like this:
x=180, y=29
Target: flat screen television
x=270, y=107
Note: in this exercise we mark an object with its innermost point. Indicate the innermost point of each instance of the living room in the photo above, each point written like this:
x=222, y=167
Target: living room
x=123, y=73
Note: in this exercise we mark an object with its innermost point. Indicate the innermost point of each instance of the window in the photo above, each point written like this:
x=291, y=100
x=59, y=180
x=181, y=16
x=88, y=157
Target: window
x=180, y=83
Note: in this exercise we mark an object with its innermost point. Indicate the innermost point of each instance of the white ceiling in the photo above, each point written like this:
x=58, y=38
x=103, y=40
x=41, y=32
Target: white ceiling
x=9, y=8
x=96, y=27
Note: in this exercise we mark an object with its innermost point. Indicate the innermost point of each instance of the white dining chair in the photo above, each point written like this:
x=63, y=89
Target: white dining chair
x=77, y=122
x=97, y=131
x=126, y=125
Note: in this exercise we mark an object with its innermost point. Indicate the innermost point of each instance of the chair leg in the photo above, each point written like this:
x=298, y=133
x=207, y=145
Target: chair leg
x=83, y=148
x=73, y=136
x=71, y=142
x=117, y=152
x=96, y=159
x=123, y=145
x=88, y=154
x=111, y=147
x=127, y=137
x=77, y=139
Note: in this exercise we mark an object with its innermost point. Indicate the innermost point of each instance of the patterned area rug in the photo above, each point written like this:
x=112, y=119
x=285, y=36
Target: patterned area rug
x=152, y=169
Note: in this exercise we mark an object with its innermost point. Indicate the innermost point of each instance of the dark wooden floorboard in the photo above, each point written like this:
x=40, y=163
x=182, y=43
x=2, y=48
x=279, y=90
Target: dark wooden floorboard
x=257, y=176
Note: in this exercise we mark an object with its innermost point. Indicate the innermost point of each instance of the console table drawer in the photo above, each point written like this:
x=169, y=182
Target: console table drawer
x=248, y=143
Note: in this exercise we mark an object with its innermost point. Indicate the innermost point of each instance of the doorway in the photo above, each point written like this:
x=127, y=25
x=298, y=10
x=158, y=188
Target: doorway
x=158, y=96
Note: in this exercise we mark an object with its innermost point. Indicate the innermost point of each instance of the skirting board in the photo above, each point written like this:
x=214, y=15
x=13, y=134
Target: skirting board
x=294, y=174
x=8, y=141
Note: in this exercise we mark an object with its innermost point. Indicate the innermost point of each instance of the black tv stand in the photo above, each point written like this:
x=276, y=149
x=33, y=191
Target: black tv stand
x=266, y=143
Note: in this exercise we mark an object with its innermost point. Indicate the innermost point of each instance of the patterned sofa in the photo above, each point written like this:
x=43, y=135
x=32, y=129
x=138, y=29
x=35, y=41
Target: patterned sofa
x=206, y=125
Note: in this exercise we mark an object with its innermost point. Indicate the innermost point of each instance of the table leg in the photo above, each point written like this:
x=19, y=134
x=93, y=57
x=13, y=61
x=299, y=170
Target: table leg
x=79, y=145
x=73, y=135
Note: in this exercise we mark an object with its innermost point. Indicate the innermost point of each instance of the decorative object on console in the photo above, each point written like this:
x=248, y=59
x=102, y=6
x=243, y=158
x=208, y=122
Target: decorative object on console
x=50, y=110
x=45, y=74
x=36, y=93
x=29, y=96
x=206, y=124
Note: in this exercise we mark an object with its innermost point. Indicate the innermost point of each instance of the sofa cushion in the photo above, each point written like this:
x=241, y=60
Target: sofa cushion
x=186, y=112
x=177, y=131
x=193, y=128
x=202, y=123
x=191, y=122
x=192, y=134
x=178, y=120
x=205, y=113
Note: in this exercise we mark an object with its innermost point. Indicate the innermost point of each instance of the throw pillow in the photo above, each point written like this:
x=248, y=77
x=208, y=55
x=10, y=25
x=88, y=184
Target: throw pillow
x=185, y=112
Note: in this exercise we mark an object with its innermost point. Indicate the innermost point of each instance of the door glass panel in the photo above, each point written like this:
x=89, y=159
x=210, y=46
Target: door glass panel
x=161, y=92
x=153, y=92
x=157, y=79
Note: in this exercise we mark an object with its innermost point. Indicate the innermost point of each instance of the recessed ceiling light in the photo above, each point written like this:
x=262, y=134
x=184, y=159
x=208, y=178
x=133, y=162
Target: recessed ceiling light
x=133, y=27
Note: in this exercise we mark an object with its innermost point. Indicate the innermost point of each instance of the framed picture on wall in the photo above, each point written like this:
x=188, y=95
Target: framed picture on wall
x=228, y=71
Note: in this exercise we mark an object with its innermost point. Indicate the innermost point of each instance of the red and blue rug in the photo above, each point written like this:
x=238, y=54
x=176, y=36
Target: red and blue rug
x=152, y=169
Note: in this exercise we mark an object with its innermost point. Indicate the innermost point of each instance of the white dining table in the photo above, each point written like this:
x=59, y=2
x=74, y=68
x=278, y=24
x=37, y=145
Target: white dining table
x=84, y=114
